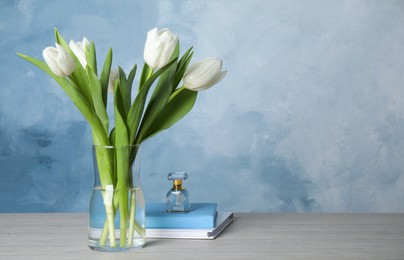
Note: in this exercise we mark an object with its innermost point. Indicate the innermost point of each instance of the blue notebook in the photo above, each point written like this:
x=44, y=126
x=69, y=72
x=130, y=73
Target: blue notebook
x=202, y=215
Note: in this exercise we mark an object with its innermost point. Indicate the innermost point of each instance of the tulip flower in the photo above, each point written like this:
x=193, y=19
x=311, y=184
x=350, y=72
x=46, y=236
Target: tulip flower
x=113, y=75
x=59, y=60
x=79, y=49
x=204, y=74
x=159, y=47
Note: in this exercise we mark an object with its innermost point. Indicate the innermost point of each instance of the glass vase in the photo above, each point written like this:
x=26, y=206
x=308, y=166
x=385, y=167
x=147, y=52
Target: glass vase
x=117, y=206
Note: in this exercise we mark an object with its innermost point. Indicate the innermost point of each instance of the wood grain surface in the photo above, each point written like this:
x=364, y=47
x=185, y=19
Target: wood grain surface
x=251, y=236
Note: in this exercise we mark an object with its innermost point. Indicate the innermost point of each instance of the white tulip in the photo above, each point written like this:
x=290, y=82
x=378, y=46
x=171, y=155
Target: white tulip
x=159, y=47
x=79, y=49
x=204, y=74
x=59, y=60
x=113, y=75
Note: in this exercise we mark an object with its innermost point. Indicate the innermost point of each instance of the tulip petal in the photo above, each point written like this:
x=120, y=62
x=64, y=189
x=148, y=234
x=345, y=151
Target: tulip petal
x=204, y=74
x=50, y=55
x=113, y=75
x=65, y=61
x=213, y=82
x=79, y=51
x=85, y=43
x=159, y=47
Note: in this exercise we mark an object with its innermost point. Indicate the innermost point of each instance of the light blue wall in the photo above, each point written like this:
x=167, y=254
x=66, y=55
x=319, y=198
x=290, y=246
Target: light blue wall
x=309, y=118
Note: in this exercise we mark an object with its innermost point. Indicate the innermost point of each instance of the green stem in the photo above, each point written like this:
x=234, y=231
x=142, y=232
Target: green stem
x=111, y=227
x=132, y=216
x=122, y=167
x=104, y=233
x=123, y=206
x=105, y=230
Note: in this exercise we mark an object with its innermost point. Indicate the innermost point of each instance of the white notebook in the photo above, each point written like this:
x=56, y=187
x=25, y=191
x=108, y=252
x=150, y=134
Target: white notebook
x=222, y=221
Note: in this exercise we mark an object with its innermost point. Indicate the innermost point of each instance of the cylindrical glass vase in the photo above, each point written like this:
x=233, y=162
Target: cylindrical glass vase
x=117, y=207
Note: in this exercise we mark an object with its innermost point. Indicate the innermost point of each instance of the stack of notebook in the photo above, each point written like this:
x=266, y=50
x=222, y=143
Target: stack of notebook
x=202, y=222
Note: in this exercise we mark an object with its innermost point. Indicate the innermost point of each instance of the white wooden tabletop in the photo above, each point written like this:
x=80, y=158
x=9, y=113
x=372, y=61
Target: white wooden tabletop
x=251, y=236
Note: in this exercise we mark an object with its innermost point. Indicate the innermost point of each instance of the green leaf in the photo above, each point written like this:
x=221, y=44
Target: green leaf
x=136, y=110
x=181, y=102
x=129, y=83
x=184, y=58
x=146, y=73
x=77, y=98
x=182, y=67
x=165, y=80
x=96, y=92
x=106, y=70
x=60, y=40
x=92, y=58
x=123, y=89
x=121, y=132
x=159, y=99
x=119, y=104
x=112, y=136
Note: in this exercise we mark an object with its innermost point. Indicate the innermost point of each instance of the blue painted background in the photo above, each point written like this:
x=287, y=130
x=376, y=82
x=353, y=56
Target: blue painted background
x=310, y=116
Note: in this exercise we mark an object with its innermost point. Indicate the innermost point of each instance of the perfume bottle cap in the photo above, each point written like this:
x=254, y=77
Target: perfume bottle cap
x=177, y=185
x=177, y=182
x=177, y=176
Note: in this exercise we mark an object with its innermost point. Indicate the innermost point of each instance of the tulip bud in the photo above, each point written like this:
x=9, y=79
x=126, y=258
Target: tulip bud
x=59, y=60
x=79, y=49
x=113, y=75
x=159, y=47
x=204, y=74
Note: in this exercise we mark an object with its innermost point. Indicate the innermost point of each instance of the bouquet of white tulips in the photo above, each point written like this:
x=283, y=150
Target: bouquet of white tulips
x=74, y=67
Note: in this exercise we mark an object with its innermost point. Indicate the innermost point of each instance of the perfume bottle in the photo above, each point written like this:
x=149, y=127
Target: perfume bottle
x=177, y=199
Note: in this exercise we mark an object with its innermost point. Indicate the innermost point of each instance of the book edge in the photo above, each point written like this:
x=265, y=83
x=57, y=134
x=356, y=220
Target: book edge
x=197, y=233
x=216, y=231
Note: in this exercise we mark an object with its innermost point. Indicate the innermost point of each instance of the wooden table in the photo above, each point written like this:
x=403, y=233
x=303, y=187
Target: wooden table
x=59, y=236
